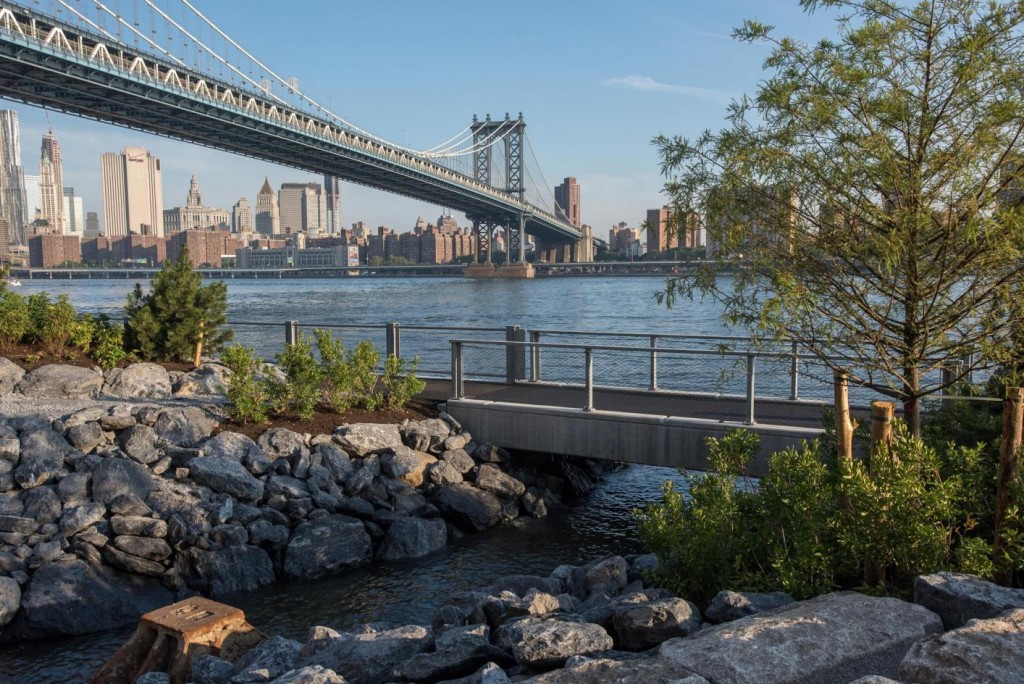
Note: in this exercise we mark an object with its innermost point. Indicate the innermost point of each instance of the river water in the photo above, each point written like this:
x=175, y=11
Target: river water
x=408, y=593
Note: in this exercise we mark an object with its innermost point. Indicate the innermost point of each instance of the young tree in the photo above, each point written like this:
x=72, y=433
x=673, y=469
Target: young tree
x=177, y=313
x=868, y=198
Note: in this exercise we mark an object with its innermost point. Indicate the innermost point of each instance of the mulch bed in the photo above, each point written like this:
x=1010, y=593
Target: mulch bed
x=324, y=421
x=32, y=356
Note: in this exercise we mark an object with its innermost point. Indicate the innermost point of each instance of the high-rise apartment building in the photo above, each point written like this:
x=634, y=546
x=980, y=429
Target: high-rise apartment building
x=133, y=201
x=659, y=237
x=241, y=217
x=51, y=185
x=303, y=207
x=332, y=186
x=12, y=178
x=74, y=218
x=5, y=239
x=567, y=201
x=195, y=216
x=268, y=215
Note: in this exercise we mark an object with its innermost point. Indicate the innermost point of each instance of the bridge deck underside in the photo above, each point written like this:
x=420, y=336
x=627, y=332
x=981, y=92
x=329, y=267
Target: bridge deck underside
x=40, y=78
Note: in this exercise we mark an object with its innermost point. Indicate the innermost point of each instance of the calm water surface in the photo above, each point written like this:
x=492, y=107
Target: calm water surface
x=408, y=593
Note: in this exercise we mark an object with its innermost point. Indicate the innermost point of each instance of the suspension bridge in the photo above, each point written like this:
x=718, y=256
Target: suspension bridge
x=166, y=68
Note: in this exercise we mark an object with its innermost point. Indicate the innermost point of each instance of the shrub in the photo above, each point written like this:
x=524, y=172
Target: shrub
x=176, y=314
x=52, y=324
x=400, y=381
x=15, y=316
x=107, y=347
x=299, y=391
x=337, y=373
x=247, y=389
x=363, y=361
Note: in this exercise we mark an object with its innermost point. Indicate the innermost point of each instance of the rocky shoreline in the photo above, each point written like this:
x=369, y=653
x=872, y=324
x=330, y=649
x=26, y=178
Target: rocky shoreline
x=114, y=510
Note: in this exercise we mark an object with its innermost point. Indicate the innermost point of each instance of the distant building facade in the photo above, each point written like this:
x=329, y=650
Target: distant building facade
x=567, y=201
x=92, y=224
x=52, y=250
x=195, y=216
x=133, y=200
x=303, y=207
x=126, y=250
x=241, y=217
x=51, y=184
x=267, y=220
x=12, y=178
x=73, y=214
x=205, y=247
x=332, y=188
x=659, y=236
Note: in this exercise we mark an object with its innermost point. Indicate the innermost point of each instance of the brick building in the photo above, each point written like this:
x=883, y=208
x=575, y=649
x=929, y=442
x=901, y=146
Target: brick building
x=50, y=250
x=205, y=247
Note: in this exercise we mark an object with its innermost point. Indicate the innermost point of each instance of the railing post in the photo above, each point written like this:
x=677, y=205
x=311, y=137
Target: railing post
x=515, y=354
x=751, y=376
x=458, y=385
x=589, y=363
x=291, y=333
x=534, y=356
x=794, y=374
x=393, y=339
x=654, y=364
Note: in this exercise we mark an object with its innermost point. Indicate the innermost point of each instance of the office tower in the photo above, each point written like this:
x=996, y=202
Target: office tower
x=567, y=201
x=332, y=187
x=268, y=214
x=659, y=238
x=195, y=216
x=241, y=217
x=51, y=185
x=92, y=224
x=33, y=203
x=303, y=207
x=74, y=218
x=133, y=202
x=12, y=177
x=448, y=224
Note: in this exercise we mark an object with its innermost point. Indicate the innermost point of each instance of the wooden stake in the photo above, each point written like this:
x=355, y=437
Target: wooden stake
x=844, y=425
x=198, y=358
x=882, y=413
x=1009, y=458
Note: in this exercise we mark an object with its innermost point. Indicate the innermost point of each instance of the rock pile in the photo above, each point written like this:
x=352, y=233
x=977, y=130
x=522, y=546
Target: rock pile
x=140, y=380
x=110, y=512
x=599, y=623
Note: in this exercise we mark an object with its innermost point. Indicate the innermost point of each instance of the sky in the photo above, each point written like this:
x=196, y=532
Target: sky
x=596, y=80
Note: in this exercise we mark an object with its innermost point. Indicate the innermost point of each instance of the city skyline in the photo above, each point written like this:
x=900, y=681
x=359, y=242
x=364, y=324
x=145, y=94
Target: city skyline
x=678, y=90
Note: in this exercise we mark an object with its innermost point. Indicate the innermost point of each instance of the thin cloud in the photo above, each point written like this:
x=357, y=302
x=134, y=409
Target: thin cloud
x=709, y=34
x=649, y=84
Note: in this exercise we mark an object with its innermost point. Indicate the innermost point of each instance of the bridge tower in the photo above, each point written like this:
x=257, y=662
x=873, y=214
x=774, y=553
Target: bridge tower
x=487, y=135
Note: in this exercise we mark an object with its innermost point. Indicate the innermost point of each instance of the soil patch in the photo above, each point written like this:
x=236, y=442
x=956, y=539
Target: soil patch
x=32, y=356
x=324, y=421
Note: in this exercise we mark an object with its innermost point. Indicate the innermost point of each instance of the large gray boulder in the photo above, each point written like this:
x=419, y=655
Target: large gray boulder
x=983, y=652
x=237, y=447
x=459, y=652
x=186, y=427
x=42, y=455
x=208, y=379
x=235, y=568
x=227, y=476
x=541, y=643
x=139, y=442
x=832, y=638
x=57, y=381
x=369, y=658
x=427, y=435
x=113, y=477
x=74, y=597
x=403, y=463
x=645, y=625
x=958, y=598
x=10, y=375
x=732, y=605
x=361, y=439
x=468, y=507
x=269, y=659
x=490, y=478
x=326, y=546
x=608, y=671
x=79, y=517
x=311, y=674
x=141, y=380
x=409, y=538
x=10, y=599
x=282, y=443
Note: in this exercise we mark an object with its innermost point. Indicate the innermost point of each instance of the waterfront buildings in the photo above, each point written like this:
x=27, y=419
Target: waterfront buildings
x=659, y=236
x=303, y=207
x=241, y=217
x=132, y=193
x=33, y=201
x=294, y=257
x=12, y=178
x=50, y=250
x=268, y=215
x=51, y=185
x=74, y=217
x=567, y=201
x=205, y=247
x=195, y=216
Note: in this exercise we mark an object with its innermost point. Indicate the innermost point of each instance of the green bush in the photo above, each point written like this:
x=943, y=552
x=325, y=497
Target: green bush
x=363, y=362
x=176, y=314
x=337, y=373
x=299, y=391
x=107, y=345
x=15, y=316
x=247, y=389
x=400, y=381
x=52, y=325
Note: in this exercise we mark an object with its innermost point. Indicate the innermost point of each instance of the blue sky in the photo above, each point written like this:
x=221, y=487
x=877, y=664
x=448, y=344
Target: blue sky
x=595, y=80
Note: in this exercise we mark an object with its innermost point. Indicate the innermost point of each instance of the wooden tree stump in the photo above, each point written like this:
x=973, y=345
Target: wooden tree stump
x=169, y=639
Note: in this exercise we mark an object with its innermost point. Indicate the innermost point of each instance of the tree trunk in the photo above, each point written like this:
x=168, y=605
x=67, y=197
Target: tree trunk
x=1009, y=454
x=912, y=400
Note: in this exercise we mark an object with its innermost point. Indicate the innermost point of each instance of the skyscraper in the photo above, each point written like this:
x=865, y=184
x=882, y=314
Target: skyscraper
x=303, y=207
x=195, y=216
x=74, y=216
x=51, y=185
x=133, y=200
x=332, y=186
x=241, y=217
x=659, y=236
x=33, y=201
x=12, y=177
x=268, y=214
x=567, y=201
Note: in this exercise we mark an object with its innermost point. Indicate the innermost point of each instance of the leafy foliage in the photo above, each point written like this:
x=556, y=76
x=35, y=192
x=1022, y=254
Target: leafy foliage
x=246, y=390
x=106, y=342
x=15, y=317
x=863, y=198
x=299, y=391
x=53, y=325
x=400, y=381
x=178, y=311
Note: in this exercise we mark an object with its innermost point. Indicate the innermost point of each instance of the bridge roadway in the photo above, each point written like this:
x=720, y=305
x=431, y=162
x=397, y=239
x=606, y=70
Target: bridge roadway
x=627, y=425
